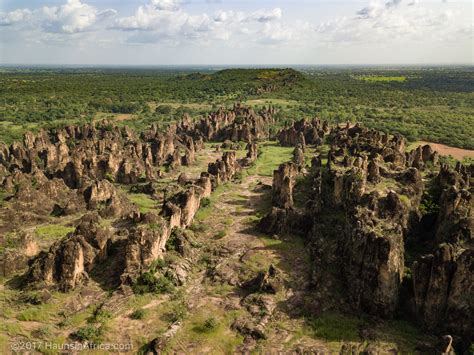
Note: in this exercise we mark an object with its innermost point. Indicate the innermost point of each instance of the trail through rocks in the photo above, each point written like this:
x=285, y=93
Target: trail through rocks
x=238, y=257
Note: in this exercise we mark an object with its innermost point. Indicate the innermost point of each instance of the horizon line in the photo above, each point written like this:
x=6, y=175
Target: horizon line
x=234, y=65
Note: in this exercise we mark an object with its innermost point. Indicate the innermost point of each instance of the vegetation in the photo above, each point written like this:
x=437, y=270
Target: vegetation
x=336, y=327
x=148, y=282
x=144, y=202
x=90, y=333
x=138, y=314
x=434, y=104
x=52, y=231
x=271, y=155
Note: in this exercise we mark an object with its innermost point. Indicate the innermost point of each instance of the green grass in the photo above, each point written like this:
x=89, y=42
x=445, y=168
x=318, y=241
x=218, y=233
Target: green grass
x=41, y=313
x=209, y=328
x=77, y=318
x=144, y=202
x=380, y=78
x=335, y=327
x=53, y=231
x=139, y=314
x=271, y=156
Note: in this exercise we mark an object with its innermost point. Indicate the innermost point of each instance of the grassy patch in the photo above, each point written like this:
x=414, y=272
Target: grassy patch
x=41, y=313
x=400, y=333
x=53, y=231
x=271, y=156
x=335, y=327
x=209, y=328
x=380, y=78
x=144, y=202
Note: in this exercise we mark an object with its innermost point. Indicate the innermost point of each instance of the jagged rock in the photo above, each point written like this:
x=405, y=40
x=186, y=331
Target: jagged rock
x=68, y=261
x=145, y=244
x=266, y=281
x=455, y=222
x=252, y=151
x=302, y=133
x=79, y=153
x=283, y=182
x=284, y=221
x=16, y=258
x=240, y=123
x=104, y=197
x=373, y=267
x=373, y=173
x=224, y=169
x=443, y=285
x=420, y=156
x=298, y=157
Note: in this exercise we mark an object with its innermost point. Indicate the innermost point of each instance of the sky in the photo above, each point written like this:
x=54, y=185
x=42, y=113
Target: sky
x=236, y=32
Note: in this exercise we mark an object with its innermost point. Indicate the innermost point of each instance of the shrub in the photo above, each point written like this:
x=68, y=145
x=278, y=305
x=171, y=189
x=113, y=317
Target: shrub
x=221, y=234
x=42, y=332
x=100, y=316
x=138, y=314
x=209, y=325
x=89, y=333
x=205, y=202
x=164, y=109
x=149, y=283
x=178, y=312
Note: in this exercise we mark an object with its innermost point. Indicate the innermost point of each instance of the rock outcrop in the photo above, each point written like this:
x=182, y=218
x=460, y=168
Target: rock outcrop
x=240, y=123
x=304, y=132
x=68, y=262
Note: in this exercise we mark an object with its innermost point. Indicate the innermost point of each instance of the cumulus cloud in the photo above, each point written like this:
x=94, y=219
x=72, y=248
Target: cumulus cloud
x=170, y=22
x=17, y=16
x=71, y=17
x=383, y=21
x=166, y=20
x=169, y=5
x=267, y=16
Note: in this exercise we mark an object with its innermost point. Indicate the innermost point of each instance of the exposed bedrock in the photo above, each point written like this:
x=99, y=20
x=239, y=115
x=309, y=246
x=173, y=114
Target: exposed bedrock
x=303, y=132
x=67, y=263
x=443, y=284
x=241, y=123
x=76, y=154
x=283, y=183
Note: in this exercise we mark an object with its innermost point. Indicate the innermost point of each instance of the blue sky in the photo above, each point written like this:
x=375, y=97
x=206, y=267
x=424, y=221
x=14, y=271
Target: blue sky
x=152, y=32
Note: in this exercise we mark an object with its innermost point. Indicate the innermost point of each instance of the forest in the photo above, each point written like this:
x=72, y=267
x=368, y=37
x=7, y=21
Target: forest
x=429, y=104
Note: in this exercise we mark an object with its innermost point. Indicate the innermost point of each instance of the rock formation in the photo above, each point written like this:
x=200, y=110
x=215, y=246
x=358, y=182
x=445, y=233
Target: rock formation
x=240, y=123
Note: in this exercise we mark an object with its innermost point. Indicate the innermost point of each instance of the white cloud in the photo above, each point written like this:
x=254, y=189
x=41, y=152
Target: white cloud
x=169, y=5
x=395, y=20
x=10, y=18
x=72, y=17
x=267, y=16
x=161, y=20
x=170, y=23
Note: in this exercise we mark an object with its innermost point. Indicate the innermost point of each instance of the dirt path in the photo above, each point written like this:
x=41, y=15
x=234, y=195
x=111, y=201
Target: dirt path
x=238, y=257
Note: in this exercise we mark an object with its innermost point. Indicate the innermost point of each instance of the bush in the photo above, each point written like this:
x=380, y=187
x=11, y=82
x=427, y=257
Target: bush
x=163, y=109
x=221, y=234
x=209, y=325
x=100, y=316
x=205, y=202
x=138, y=314
x=149, y=283
x=89, y=333
x=178, y=312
